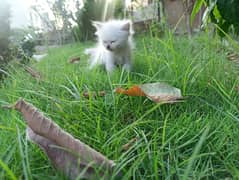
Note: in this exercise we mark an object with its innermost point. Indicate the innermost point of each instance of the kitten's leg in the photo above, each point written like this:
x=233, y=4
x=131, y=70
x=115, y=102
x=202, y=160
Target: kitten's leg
x=92, y=52
x=109, y=66
x=127, y=67
x=109, y=61
x=127, y=62
x=92, y=65
x=89, y=51
x=93, y=62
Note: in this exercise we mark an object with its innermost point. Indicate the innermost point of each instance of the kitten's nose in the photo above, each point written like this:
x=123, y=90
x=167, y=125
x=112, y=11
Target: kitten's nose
x=108, y=47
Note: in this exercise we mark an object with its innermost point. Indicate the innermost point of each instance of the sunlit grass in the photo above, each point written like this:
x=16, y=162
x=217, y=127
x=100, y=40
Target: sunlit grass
x=195, y=139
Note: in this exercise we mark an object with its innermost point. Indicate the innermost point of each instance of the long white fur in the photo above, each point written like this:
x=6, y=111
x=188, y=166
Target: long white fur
x=116, y=35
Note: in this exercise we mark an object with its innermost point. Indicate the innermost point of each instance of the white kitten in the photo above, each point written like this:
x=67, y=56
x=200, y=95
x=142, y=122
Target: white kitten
x=114, y=45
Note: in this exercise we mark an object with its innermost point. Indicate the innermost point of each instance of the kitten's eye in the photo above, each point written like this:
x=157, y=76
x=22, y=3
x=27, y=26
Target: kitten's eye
x=112, y=42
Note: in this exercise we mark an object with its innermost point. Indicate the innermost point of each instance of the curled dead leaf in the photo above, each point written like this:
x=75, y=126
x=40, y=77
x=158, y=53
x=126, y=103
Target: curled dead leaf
x=157, y=92
x=68, y=154
x=74, y=60
x=128, y=145
x=93, y=94
x=232, y=56
x=55, y=153
x=33, y=72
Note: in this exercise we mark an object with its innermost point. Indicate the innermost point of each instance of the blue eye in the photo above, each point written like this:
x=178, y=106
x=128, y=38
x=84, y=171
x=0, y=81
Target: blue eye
x=112, y=42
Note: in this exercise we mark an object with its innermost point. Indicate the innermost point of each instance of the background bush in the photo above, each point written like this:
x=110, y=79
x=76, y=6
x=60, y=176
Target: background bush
x=5, y=52
x=93, y=11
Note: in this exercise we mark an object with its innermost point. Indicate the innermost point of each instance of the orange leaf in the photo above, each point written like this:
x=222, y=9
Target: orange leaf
x=133, y=91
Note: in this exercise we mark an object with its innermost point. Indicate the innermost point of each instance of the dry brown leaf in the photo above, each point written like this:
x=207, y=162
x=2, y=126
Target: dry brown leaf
x=157, y=92
x=237, y=88
x=74, y=60
x=33, y=72
x=232, y=56
x=55, y=153
x=127, y=146
x=93, y=94
x=68, y=154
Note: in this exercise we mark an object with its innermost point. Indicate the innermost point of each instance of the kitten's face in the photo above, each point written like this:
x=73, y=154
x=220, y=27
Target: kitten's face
x=113, y=35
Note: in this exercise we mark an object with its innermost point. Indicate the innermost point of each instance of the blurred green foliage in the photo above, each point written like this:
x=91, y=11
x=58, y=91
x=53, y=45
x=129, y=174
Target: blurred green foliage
x=5, y=51
x=228, y=17
x=223, y=13
x=95, y=10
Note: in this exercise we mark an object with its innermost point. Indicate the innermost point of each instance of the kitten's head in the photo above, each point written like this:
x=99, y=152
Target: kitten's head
x=113, y=34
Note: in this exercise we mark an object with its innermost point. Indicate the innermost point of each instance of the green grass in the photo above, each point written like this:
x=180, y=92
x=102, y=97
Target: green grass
x=196, y=139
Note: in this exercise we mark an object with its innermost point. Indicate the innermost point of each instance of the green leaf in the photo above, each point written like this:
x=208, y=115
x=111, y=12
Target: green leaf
x=216, y=13
x=197, y=6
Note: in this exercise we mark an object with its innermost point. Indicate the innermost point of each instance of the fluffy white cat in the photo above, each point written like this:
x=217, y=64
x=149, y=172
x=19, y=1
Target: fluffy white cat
x=114, y=45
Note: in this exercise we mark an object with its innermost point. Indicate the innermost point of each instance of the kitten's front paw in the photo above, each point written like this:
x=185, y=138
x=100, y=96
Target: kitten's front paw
x=109, y=67
x=127, y=67
x=90, y=51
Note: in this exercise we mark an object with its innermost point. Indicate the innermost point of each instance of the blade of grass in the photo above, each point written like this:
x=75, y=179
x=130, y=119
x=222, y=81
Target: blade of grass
x=196, y=153
x=8, y=170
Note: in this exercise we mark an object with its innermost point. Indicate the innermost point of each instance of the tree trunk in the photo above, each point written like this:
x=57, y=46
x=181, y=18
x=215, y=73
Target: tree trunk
x=188, y=24
x=188, y=7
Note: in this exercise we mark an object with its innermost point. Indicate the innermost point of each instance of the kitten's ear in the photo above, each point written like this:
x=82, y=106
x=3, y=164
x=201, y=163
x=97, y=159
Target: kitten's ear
x=97, y=24
x=126, y=27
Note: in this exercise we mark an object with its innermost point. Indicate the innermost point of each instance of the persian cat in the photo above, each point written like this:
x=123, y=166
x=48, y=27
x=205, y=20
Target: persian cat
x=114, y=45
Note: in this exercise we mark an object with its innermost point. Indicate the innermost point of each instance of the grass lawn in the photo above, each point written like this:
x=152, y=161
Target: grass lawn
x=196, y=139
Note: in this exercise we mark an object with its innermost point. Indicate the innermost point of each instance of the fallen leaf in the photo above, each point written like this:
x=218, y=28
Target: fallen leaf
x=33, y=72
x=161, y=92
x=55, y=153
x=101, y=93
x=157, y=92
x=68, y=154
x=128, y=117
x=232, y=56
x=133, y=91
x=74, y=60
x=93, y=94
x=127, y=146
